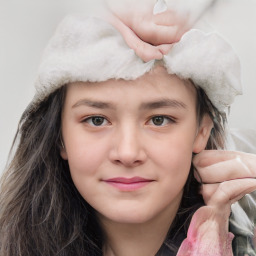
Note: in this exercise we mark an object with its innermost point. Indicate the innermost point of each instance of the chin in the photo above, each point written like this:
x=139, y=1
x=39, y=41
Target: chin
x=129, y=217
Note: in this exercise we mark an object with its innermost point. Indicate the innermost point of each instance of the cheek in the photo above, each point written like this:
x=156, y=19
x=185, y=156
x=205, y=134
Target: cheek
x=85, y=155
x=84, y=162
x=174, y=156
x=177, y=165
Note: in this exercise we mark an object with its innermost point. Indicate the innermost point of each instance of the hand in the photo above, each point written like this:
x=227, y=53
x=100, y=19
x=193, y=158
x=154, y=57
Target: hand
x=226, y=177
x=151, y=36
x=162, y=28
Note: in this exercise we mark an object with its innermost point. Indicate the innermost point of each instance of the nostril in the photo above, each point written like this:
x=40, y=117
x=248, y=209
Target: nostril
x=127, y=148
x=130, y=164
x=128, y=160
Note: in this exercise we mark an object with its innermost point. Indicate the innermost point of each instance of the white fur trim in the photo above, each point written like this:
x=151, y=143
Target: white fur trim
x=210, y=62
x=89, y=49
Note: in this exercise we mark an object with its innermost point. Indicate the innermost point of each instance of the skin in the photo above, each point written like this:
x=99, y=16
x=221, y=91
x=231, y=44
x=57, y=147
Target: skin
x=150, y=36
x=128, y=143
x=226, y=176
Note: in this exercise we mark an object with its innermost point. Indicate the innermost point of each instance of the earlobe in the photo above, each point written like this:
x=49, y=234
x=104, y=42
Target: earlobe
x=63, y=152
x=203, y=134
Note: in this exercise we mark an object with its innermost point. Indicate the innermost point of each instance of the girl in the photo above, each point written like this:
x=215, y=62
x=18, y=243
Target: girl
x=104, y=150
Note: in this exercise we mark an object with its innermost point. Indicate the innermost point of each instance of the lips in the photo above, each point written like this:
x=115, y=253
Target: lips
x=128, y=184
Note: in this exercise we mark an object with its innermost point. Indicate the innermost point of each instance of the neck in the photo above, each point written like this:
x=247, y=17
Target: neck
x=143, y=239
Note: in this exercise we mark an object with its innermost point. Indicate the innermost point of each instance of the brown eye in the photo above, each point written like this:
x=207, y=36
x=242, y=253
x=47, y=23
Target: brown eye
x=161, y=120
x=158, y=120
x=96, y=121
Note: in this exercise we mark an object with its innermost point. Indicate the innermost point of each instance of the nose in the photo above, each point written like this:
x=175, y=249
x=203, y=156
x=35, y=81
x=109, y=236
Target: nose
x=128, y=148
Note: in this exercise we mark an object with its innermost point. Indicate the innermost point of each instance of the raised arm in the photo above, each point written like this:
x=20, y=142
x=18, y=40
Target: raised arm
x=149, y=27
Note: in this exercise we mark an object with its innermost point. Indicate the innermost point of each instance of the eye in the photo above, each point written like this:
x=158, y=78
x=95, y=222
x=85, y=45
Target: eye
x=161, y=120
x=96, y=121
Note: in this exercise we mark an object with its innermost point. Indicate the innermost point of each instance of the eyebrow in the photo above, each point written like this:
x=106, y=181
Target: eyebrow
x=162, y=103
x=94, y=104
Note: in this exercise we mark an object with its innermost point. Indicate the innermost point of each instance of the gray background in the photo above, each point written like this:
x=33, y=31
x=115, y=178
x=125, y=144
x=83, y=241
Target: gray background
x=26, y=26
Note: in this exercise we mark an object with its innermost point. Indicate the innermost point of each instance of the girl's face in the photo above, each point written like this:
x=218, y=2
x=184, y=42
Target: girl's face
x=129, y=144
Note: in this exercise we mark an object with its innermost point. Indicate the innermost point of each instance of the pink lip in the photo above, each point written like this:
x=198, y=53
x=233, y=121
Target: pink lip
x=128, y=184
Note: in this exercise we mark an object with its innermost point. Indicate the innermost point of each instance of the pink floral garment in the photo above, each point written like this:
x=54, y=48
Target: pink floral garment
x=207, y=235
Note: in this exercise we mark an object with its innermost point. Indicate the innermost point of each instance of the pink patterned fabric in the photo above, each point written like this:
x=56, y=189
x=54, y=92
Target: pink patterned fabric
x=206, y=236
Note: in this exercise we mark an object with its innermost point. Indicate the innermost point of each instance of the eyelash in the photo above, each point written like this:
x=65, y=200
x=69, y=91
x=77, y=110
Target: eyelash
x=89, y=120
x=166, y=120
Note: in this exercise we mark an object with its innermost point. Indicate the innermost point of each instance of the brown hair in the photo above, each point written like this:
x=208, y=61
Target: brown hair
x=192, y=200
x=41, y=211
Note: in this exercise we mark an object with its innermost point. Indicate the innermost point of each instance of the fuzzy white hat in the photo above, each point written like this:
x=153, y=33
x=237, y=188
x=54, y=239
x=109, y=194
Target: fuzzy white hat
x=90, y=49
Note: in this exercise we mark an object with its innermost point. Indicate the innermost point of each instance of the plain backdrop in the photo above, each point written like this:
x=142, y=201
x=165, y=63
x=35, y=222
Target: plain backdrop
x=27, y=25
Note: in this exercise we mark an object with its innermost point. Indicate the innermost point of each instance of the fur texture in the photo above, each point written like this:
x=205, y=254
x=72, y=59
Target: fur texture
x=90, y=49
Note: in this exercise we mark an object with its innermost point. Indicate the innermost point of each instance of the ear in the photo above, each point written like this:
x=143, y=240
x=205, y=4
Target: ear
x=63, y=152
x=203, y=134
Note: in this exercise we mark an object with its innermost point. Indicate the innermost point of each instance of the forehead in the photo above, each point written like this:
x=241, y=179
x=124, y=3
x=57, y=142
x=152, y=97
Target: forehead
x=155, y=84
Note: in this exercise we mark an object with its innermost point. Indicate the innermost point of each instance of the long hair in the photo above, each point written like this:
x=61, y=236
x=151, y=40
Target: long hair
x=41, y=211
x=192, y=200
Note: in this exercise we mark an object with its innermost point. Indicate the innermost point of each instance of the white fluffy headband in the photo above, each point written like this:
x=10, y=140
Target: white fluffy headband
x=89, y=49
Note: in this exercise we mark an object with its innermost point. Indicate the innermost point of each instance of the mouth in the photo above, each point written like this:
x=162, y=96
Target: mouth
x=128, y=184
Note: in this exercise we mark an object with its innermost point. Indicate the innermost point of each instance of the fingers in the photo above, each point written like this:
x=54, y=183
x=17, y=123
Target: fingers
x=215, y=166
x=164, y=48
x=157, y=34
x=227, y=176
x=226, y=170
x=147, y=52
x=209, y=157
x=168, y=30
x=228, y=192
x=170, y=19
x=167, y=18
x=149, y=40
x=144, y=50
x=165, y=34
